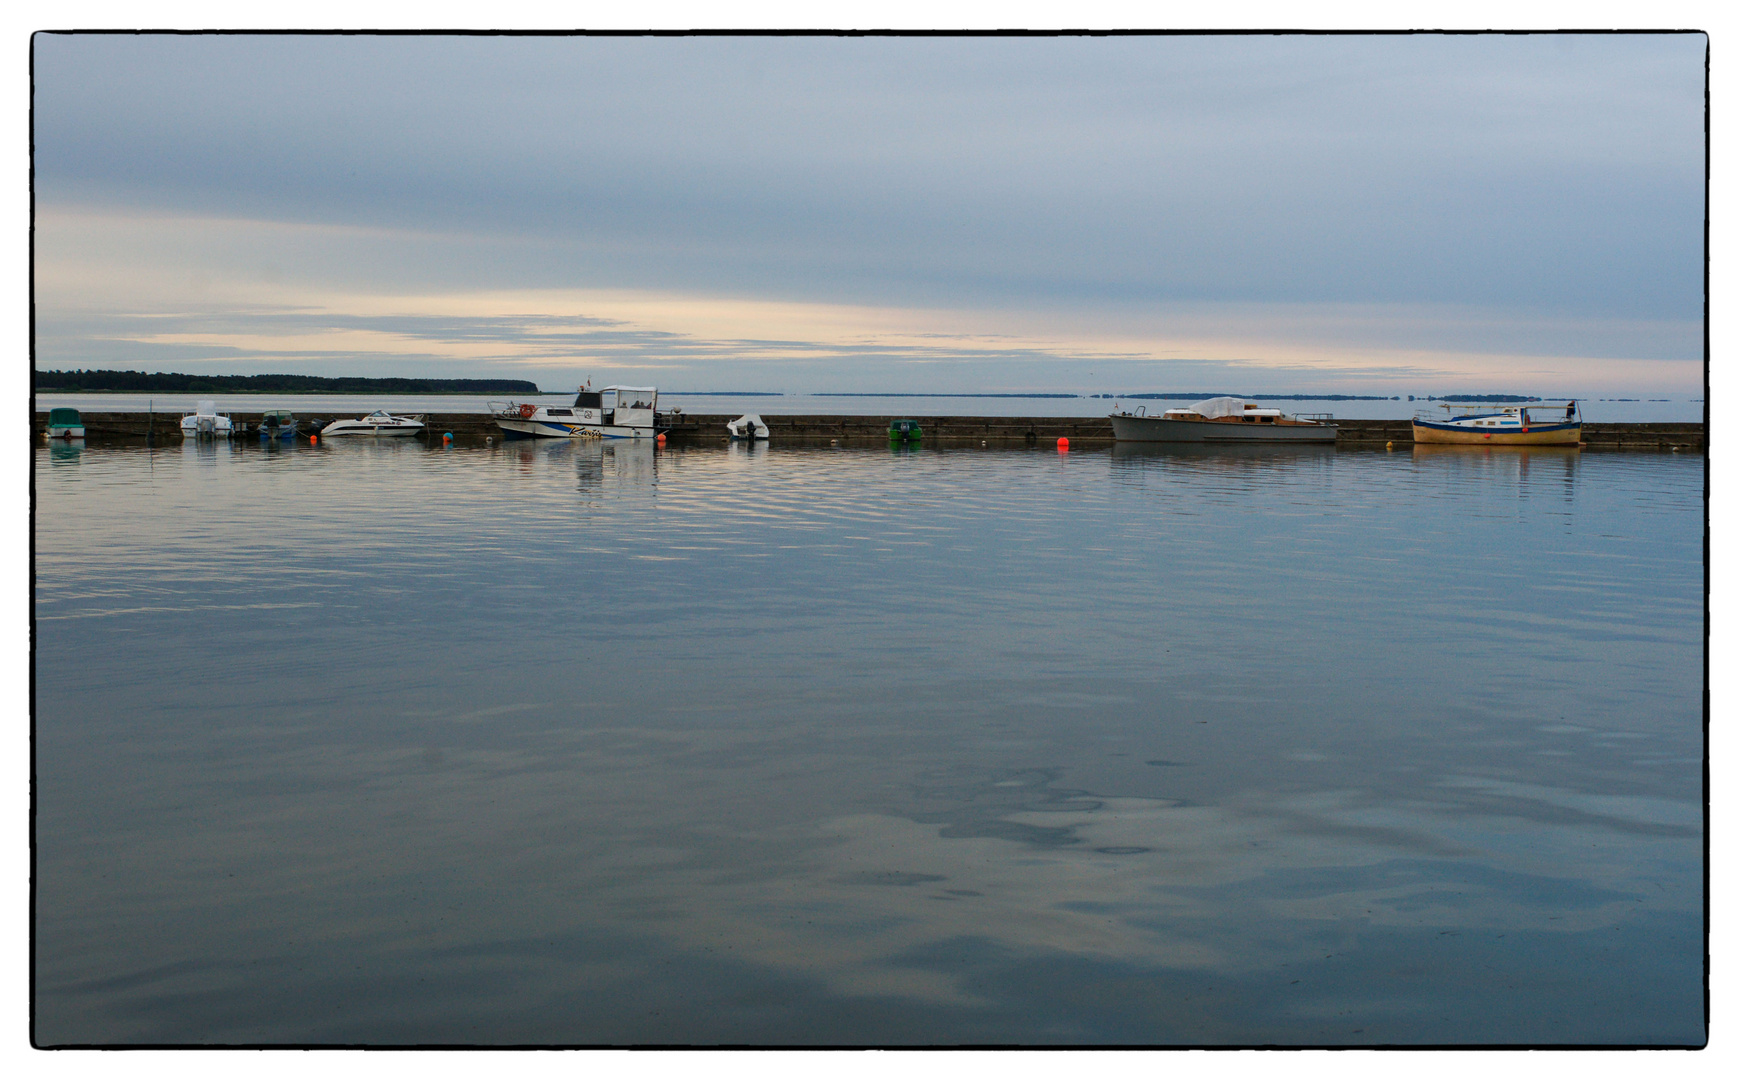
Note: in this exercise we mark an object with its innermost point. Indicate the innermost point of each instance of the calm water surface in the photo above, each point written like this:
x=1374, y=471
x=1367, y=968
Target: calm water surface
x=581, y=743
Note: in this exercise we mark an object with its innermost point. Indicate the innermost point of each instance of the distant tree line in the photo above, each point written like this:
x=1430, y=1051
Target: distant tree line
x=171, y=383
x=1482, y=397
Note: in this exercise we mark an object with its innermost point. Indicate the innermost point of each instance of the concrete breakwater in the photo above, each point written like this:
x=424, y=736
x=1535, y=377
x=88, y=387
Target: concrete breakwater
x=700, y=428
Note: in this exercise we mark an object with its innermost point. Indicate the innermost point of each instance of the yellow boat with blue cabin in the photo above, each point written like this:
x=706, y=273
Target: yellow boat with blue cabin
x=1535, y=423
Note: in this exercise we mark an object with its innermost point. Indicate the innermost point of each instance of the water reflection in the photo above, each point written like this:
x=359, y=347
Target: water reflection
x=1232, y=460
x=848, y=746
x=1509, y=463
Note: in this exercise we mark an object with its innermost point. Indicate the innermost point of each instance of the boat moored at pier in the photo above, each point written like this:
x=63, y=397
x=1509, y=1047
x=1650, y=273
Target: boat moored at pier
x=278, y=424
x=615, y=412
x=205, y=422
x=748, y=427
x=1536, y=423
x=64, y=423
x=378, y=422
x=1222, y=419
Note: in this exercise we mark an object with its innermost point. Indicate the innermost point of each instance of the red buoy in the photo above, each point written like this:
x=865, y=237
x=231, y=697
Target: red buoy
x=1062, y=444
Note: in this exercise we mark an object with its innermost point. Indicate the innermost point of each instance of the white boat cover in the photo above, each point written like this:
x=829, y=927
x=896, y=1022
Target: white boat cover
x=1220, y=406
x=749, y=424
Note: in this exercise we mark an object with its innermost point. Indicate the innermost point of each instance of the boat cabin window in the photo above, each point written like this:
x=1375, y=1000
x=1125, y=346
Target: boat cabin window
x=559, y=412
x=588, y=399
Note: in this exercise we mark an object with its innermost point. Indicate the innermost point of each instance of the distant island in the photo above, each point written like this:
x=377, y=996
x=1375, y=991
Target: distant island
x=134, y=382
x=945, y=395
x=1482, y=397
x=1269, y=397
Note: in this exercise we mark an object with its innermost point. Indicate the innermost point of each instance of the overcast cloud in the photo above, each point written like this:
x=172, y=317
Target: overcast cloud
x=910, y=214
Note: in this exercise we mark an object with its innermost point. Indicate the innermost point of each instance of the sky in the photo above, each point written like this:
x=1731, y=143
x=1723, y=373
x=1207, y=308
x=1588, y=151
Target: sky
x=1264, y=213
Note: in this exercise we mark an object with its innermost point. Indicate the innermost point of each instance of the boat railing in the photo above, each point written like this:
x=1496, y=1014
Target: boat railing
x=1457, y=412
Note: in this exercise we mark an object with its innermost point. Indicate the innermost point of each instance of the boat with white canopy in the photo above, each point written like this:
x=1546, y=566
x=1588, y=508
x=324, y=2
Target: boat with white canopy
x=748, y=428
x=205, y=422
x=615, y=412
x=1223, y=419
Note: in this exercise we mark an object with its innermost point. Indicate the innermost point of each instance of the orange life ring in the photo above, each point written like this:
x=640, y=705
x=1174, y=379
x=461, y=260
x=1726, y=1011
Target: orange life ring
x=527, y=410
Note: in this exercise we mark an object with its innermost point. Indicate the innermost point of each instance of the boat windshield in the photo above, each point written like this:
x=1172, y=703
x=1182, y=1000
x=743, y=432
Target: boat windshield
x=634, y=397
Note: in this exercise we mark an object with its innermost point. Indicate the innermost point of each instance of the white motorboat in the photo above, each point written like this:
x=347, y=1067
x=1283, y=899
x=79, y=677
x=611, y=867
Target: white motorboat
x=615, y=412
x=1223, y=419
x=748, y=427
x=205, y=422
x=378, y=422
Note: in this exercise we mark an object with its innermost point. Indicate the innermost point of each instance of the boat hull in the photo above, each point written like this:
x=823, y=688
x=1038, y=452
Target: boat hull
x=1157, y=429
x=1426, y=431
x=367, y=429
x=220, y=430
x=539, y=428
x=66, y=432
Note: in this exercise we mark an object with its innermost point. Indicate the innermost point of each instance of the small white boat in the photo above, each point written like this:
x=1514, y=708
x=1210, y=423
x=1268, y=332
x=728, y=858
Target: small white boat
x=748, y=427
x=206, y=422
x=378, y=422
x=1223, y=419
x=615, y=412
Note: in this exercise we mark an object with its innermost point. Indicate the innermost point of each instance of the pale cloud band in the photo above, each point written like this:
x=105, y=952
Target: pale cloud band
x=1407, y=212
x=226, y=295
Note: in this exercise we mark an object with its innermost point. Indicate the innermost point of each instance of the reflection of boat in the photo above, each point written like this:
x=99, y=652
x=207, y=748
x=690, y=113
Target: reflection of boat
x=632, y=463
x=1222, y=419
x=1225, y=461
x=278, y=424
x=205, y=422
x=748, y=426
x=378, y=422
x=615, y=412
x=1536, y=423
x=65, y=424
